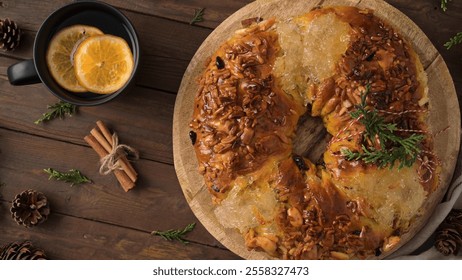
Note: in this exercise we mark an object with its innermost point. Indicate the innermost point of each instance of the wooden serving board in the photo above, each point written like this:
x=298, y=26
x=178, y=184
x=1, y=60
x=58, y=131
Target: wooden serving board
x=444, y=109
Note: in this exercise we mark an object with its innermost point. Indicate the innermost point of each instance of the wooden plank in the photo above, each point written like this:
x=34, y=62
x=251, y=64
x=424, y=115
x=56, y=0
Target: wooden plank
x=177, y=10
x=141, y=117
x=29, y=14
x=70, y=238
x=156, y=203
x=183, y=11
x=167, y=38
x=162, y=73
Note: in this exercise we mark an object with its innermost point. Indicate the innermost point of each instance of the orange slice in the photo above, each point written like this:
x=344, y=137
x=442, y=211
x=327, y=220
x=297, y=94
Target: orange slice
x=103, y=63
x=59, y=54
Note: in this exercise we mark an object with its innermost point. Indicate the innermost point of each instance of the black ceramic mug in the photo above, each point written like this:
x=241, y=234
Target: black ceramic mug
x=103, y=16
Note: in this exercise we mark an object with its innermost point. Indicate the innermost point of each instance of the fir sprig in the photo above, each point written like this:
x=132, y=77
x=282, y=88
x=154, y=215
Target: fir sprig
x=392, y=146
x=198, y=16
x=57, y=110
x=373, y=123
x=406, y=154
x=444, y=5
x=457, y=39
x=175, y=234
x=73, y=176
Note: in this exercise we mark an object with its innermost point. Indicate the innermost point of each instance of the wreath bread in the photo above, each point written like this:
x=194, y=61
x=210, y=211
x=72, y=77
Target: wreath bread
x=378, y=171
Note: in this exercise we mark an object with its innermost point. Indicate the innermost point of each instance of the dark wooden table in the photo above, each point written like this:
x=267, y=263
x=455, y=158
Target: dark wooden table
x=100, y=220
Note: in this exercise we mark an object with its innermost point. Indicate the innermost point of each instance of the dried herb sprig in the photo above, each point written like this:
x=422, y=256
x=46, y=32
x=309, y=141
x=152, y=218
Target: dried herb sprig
x=57, y=110
x=444, y=5
x=198, y=16
x=175, y=234
x=392, y=146
x=457, y=39
x=73, y=176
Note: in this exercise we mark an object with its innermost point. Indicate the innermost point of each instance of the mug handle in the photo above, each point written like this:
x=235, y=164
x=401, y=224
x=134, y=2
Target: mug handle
x=23, y=73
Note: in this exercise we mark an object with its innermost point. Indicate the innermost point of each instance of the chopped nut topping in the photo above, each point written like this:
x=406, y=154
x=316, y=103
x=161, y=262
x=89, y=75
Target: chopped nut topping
x=236, y=103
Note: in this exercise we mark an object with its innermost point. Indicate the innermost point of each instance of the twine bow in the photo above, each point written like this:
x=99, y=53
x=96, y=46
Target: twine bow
x=110, y=162
x=427, y=167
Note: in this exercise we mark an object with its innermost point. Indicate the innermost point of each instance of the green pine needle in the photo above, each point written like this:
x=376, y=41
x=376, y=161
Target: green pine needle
x=73, y=176
x=57, y=110
x=393, y=148
x=457, y=39
x=406, y=154
x=176, y=234
x=444, y=5
x=198, y=16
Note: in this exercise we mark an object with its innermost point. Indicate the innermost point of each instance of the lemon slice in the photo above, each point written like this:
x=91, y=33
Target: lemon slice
x=103, y=63
x=59, y=55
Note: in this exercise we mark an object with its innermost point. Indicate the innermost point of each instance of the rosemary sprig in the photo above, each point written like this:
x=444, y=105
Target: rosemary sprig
x=457, y=39
x=175, y=234
x=73, y=176
x=57, y=110
x=392, y=147
x=444, y=4
x=198, y=16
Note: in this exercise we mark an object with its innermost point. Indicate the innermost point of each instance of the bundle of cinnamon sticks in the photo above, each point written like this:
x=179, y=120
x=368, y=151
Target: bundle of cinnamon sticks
x=102, y=142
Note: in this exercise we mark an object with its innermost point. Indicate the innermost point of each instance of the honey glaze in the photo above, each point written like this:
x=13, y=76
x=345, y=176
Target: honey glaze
x=251, y=96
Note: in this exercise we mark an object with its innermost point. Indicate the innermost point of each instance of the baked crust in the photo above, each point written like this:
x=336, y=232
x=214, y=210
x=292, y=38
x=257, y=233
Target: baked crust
x=245, y=117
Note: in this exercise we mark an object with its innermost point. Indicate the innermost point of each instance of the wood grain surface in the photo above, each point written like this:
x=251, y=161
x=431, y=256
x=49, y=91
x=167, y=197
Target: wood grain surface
x=99, y=220
x=444, y=112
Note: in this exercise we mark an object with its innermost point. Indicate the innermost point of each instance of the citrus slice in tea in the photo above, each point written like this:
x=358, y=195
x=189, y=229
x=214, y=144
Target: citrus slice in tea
x=60, y=50
x=103, y=63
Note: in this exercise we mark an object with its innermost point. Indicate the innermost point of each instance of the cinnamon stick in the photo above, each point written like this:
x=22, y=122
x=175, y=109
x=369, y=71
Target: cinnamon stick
x=106, y=140
x=101, y=140
x=105, y=131
x=124, y=180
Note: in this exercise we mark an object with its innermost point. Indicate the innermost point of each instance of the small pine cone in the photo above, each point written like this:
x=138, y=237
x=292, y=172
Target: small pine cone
x=30, y=208
x=448, y=241
x=10, y=34
x=21, y=251
x=449, y=234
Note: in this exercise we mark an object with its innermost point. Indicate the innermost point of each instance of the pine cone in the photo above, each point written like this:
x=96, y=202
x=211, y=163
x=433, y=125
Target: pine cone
x=10, y=34
x=30, y=208
x=449, y=234
x=21, y=251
